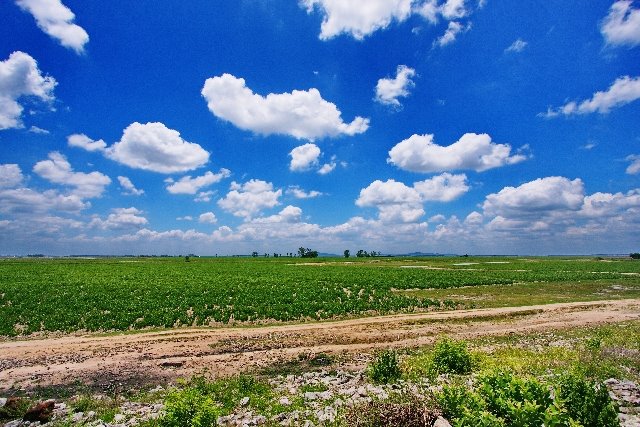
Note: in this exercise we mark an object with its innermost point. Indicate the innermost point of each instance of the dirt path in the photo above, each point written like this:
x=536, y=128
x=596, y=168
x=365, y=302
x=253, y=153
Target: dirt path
x=156, y=357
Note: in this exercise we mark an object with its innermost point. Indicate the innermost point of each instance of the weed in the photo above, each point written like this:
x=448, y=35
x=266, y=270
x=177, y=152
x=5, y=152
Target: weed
x=451, y=357
x=384, y=368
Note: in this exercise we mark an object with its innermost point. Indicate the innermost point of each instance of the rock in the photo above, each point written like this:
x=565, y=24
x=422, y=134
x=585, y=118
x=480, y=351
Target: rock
x=244, y=401
x=441, y=422
x=41, y=412
x=284, y=401
x=310, y=395
x=3, y=401
x=14, y=423
x=77, y=417
x=325, y=395
x=119, y=418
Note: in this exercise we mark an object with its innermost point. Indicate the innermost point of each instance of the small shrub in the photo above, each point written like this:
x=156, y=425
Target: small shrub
x=452, y=357
x=189, y=407
x=587, y=402
x=385, y=367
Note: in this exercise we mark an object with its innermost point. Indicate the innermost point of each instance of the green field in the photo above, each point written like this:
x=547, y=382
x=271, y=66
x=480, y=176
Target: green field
x=133, y=293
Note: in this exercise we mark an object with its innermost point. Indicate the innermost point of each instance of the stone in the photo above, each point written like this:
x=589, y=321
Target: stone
x=441, y=422
x=3, y=401
x=310, y=395
x=284, y=401
x=244, y=401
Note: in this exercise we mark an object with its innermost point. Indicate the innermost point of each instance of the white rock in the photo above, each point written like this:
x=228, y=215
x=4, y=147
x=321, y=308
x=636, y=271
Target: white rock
x=244, y=401
x=284, y=401
x=77, y=417
x=118, y=418
x=441, y=422
x=3, y=401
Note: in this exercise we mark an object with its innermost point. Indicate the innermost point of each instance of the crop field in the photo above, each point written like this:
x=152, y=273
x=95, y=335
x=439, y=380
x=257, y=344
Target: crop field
x=134, y=293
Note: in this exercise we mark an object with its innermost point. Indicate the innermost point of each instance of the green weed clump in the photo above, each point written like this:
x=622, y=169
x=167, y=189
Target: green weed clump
x=503, y=399
x=385, y=368
x=200, y=402
x=452, y=357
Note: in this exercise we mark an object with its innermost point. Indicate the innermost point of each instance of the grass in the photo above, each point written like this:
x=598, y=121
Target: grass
x=522, y=294
x=600, y=352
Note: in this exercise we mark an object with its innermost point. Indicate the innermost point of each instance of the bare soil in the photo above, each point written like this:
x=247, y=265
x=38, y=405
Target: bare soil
x=147, y=358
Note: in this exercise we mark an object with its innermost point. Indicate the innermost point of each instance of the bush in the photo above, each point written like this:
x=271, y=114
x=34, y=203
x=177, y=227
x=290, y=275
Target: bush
x=190, y=407
x=587, y=402
x=452, y=357
x=385, y=367
x=501, y=399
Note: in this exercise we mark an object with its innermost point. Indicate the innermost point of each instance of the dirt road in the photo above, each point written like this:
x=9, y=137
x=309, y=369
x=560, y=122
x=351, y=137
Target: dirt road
x=157, y=357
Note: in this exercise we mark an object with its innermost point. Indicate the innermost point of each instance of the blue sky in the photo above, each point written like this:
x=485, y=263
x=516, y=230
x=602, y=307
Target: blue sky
x=224, y=127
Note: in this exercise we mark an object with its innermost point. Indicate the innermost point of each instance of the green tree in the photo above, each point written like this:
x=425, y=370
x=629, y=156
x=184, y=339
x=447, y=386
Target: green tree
x=347, y=253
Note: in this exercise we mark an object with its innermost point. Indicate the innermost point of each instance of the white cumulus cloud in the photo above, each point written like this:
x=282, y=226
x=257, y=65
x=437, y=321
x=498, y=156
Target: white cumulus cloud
x=10, y=176
x=56, y=20
x=442, y=188
x=299, y=193
x=473, y=151
x=621, y=92
x=304, y=157
x=395, y=201
x=389, y=90
x=82, y=141
x=59, y=171
x=300, y=114
x=357, y=18
x=622, y=24
x=128, y=188
x=155, y=147
x=327, y=168
x=248, y=199
x=20, y=77
x=634, y=167
x=208, y=218
x=536, y=198
x=120, y=219
x=189, y=185
x=451, y=33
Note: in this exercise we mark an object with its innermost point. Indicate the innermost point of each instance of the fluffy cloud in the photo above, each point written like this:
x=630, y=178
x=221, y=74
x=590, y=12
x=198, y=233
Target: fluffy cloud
x=394, y=200
x=56, y=20
x=536, y=198
x=304, y=157
x=208, y=218
x=299, y=193
x=621, y=92
x=20, y=77
x=119, y=219
x=451, y=33
x=204, y=196
x=248, y=199
x=156, y=148
x=10, y=176
x=634, y=167
x=301, y=114
x=327, y=168
x=442, y=188
x=600, y=205
x=389, y=90
x=26, y=201
x=419, y=153
x=517, y=46
x=128, y=188
x=189, y=185
x=622, y=24
x=357, y=18
x=431, y=10
x=58, y=170
x=38, y=131
x=81, y=140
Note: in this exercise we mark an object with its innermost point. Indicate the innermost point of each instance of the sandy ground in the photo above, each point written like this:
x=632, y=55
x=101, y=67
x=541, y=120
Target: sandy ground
x=146, y=358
